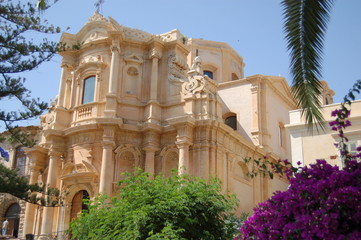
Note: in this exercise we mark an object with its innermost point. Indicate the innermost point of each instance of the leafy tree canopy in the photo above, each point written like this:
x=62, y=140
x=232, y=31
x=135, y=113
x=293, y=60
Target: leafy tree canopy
x=18, y=54
x=13, y=183
x=178, y=207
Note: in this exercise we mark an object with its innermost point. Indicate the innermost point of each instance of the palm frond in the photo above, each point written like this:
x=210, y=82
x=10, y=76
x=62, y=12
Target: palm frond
x=305, y=23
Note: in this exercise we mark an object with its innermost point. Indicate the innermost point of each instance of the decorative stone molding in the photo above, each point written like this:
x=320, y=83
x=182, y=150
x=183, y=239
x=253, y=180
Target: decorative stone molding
x=97, y=17
x=169, y=156
x=136, y=35
x=177, y=69
x=89, y=65
x=47, y=120
x=127, y=158
x=91, y=58
x=171, y=36
x=197, y=84
x=133, y=59
x=155, y=53
x=88, y=137
x=128, y=148
x=115, y=47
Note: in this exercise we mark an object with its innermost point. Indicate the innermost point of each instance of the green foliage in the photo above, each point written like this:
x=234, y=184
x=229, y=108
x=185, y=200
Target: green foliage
x=268, y=168
x=305, y=23
x=11, y=182
x=178, y=207
x=18, y=54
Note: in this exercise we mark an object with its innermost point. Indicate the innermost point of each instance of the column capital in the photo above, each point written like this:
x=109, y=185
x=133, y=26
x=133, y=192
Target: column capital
x=108, y=144
x=115, y=47
x=55, y=153
x=155, y=53
x=67, y=65
x=183, y=143
x=150, y=148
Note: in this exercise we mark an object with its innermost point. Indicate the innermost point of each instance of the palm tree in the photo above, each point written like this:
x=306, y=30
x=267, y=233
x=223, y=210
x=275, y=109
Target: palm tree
x=305, y=23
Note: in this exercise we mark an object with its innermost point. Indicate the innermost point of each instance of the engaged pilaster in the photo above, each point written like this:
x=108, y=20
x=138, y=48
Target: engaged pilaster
x=150, y=147
x=65, y=68
x=111, y=97
x=184, y=126
x=30, y=208
x=106, y=174
x=47, y=222
x=155, y=55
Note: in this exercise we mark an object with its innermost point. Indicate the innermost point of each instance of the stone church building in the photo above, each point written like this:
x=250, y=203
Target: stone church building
x=131, y=99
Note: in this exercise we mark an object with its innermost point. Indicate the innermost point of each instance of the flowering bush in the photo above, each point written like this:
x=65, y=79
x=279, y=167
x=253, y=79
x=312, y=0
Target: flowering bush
x=322, y=202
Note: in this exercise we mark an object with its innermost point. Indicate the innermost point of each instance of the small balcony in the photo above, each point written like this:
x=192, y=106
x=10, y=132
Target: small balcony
x=85, y=112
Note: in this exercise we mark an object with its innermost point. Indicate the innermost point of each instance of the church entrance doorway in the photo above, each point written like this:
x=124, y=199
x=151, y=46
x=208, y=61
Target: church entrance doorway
x=13, y=216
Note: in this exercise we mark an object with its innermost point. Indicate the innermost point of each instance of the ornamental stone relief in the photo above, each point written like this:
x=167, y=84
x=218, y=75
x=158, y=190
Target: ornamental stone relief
x=86, y=138
x=129, y=137
x=91, y=58
x=134, y=59
x=132, y=71
x=137, y=35
x=94, y=35
x=47, y=120
x=172, y=36
x=177, y=69
x=97, y=17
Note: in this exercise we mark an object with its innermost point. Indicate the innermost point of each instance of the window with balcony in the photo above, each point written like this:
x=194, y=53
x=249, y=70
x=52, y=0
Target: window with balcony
x=88, y=90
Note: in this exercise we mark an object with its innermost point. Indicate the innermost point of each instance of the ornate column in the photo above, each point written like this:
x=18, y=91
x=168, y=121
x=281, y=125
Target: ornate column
x=97, y=86
x=204, y=161
x=184, y=126
x=150, y=147
x=30, y=208
x=115, y=49
x=153, y=110
x=149, y=160
x=183, y=164
x=47, y=221
x=64, y=67
x=68, y=90
x=111, y=97
x=106, y=174
x=155, y=55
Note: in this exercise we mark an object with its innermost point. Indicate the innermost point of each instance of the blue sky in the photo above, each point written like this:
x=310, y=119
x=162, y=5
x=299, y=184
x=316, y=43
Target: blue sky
x=252, y=27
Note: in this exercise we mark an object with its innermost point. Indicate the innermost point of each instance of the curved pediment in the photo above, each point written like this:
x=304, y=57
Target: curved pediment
x=72, y=169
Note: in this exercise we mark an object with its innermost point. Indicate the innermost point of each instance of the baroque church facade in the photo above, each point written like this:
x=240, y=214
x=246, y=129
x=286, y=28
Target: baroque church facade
x=130, y=99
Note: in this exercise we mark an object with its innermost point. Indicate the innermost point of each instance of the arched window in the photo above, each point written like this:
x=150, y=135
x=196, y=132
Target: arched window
x=208, y=73
x=20, y=160
x=88, y=90
x=231, y=121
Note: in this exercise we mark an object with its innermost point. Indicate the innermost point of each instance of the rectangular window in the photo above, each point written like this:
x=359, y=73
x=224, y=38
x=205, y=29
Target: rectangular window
x=88, y=92
x=281, y=134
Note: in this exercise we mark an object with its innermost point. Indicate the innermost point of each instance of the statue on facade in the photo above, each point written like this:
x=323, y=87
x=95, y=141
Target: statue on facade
x=197, y=65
